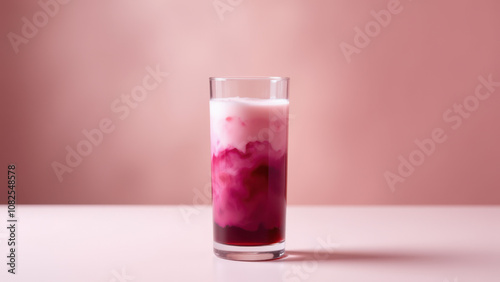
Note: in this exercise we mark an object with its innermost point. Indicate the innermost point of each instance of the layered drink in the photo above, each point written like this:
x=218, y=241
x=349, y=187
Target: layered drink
x=249, y=168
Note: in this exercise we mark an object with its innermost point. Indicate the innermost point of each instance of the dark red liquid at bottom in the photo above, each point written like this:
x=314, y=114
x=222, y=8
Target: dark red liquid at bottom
x=231, y=235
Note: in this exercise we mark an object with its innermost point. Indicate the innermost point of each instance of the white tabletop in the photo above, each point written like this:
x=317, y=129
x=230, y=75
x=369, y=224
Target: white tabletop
x=174, y=243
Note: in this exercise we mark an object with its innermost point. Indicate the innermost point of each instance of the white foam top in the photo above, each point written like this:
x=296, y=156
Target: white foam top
x=236, y=121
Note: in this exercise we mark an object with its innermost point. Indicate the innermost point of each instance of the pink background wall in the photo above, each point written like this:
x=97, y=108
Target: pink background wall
x=352, y=114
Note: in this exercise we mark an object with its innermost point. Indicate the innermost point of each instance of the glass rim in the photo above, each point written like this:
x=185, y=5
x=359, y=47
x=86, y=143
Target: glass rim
x=268, y=78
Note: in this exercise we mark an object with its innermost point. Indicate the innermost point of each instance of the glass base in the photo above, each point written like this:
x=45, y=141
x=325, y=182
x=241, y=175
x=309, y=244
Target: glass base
x=249, y=253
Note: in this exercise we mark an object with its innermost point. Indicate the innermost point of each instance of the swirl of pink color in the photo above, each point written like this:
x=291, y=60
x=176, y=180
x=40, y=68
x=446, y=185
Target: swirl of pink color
x=249, y=188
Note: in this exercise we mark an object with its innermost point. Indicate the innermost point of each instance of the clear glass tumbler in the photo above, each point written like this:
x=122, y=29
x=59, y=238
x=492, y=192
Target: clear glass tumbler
x=249, y=141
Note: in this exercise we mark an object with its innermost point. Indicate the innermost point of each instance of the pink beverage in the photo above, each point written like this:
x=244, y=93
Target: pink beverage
x=249, y=169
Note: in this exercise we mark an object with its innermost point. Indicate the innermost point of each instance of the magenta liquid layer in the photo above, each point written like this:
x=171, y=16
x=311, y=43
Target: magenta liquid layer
x=252, y=209
x=249, y=167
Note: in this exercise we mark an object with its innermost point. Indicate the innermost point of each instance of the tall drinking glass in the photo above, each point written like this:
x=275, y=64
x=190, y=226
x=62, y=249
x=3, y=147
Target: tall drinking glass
x=249, y=140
